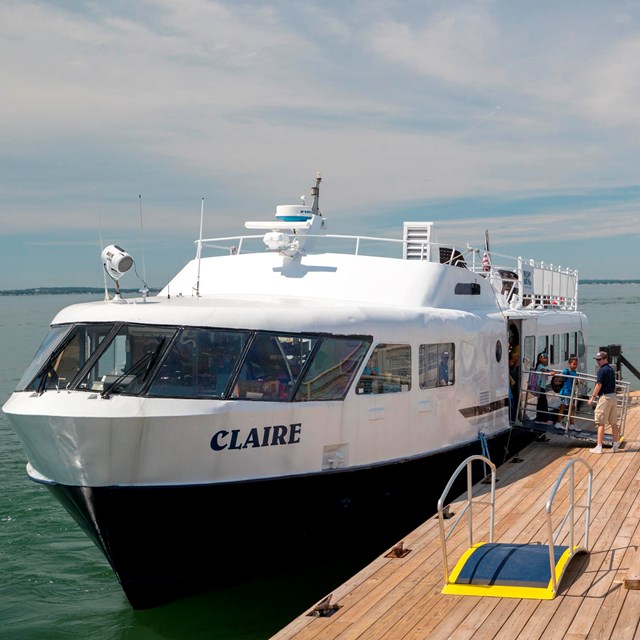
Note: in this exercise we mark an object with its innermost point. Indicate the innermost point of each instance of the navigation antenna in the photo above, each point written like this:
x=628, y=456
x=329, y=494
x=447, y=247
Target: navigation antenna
x=199, y=255
x=315, y=192
x=104, y=273
x=145, y=290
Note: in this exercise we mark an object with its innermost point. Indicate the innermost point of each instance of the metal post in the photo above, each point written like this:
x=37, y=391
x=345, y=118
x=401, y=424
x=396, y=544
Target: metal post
x=470, y=500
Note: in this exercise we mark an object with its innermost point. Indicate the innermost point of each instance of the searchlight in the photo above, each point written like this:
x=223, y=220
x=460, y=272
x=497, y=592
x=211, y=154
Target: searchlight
x=116, y=261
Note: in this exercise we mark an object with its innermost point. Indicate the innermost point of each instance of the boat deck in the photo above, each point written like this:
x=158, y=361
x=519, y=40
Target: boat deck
x=599, y=595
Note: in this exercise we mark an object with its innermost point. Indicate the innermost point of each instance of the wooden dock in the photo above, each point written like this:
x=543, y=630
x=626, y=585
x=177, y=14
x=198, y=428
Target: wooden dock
x=599, y=595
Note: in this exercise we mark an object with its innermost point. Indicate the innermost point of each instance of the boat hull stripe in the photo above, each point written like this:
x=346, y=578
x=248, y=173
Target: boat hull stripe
x=483, y=409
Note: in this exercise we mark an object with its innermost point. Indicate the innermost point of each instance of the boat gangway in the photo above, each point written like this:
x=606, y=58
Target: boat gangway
x=400, y=594
x=579, y=412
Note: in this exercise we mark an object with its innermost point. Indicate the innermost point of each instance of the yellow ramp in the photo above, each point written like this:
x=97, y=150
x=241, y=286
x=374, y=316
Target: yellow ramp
x=510, y=571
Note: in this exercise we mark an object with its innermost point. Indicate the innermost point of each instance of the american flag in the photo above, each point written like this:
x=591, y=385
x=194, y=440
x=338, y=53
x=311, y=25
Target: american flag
x=486, y=263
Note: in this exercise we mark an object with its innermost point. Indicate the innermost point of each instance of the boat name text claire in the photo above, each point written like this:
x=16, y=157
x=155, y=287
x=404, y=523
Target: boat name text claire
x=265, y=437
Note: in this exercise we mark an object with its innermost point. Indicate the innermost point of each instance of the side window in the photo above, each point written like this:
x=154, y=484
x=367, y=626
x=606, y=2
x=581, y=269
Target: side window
x=580, y=348
x=388, y=370
x=529, y=353
x=555, y=356
x=437, y=365
x=332, y=369
x=565, y=346
x=265, y=373
x=543, y=345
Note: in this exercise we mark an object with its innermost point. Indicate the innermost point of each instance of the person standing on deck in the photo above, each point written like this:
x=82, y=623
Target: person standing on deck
x=542, y=404
x=514, y=385
x=565, y=396
x=606, y=408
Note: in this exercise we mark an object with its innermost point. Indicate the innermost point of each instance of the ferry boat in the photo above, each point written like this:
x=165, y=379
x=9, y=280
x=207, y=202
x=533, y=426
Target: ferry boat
x=293, y=398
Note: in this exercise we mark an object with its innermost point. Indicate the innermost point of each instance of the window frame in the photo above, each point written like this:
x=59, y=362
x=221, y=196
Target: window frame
x=430, y=355
x=388, y=376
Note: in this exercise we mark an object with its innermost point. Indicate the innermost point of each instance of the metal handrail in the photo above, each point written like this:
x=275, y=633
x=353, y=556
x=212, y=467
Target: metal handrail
x=468, y=508
x=569, y=516
x=580, y=379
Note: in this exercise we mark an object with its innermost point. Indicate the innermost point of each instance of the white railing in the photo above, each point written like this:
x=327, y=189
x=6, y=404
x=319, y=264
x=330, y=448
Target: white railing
x=527, y=283
x=524, y=282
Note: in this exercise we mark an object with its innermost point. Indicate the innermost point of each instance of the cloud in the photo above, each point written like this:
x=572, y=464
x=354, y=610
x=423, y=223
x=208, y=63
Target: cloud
x=569, y=226
x=453, y=47
x=403, y=106
x=614, y=85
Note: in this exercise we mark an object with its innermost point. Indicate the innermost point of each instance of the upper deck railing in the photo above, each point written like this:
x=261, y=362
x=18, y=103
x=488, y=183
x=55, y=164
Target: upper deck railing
x=524, y=282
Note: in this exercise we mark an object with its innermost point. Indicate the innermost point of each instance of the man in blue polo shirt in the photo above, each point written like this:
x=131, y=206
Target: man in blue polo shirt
x=607, y=409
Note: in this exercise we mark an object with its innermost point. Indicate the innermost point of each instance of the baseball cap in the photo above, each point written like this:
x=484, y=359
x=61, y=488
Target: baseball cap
x=601, y=354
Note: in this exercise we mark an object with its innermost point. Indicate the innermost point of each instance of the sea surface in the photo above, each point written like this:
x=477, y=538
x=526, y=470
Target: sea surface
x=55, y=584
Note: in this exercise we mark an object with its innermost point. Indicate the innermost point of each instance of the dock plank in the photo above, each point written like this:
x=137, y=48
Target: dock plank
x=628, y=622
x=401, y=599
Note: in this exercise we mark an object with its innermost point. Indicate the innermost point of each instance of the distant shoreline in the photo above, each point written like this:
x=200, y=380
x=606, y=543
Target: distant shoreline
x=608, y=281
x=53, y=291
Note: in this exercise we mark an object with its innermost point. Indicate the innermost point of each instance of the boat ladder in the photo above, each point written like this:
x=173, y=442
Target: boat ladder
x=508, y=570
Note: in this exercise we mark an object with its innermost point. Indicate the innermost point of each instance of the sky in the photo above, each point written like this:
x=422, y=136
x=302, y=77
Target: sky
x=117, y=118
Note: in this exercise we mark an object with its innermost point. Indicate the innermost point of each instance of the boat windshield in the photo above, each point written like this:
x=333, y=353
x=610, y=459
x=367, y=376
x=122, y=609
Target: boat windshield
x=49, y=346
x=62, y=354
x=188, y=362
x=128, y=360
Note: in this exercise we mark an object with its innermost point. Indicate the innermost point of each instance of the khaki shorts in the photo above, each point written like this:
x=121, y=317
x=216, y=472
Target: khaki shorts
x=606, y=410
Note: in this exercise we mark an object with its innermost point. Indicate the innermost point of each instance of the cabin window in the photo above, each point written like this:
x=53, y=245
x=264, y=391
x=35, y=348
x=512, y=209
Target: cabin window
x=63, y=354
x=388, y=370
x=128, y=360
x=200, y=364
x=565, y=347
x=573, y=344
x=544, y=345
x=332, y=369
x=467, y=289
x=554, y=353
x=498, y=351
x=529, y=355
x=43, y=358
x=436, y=365
x=580, y=346
x=264, y=374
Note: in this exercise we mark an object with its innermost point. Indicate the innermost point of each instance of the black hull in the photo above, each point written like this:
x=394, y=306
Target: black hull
x=165, y=543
